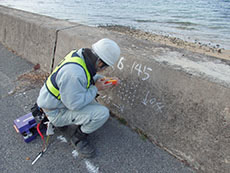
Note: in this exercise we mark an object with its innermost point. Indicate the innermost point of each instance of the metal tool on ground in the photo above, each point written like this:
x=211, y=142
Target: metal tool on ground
x=44, y=146
x=37, y=157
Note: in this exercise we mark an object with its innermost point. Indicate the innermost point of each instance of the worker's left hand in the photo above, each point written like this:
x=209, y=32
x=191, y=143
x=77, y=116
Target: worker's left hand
x=101, y=85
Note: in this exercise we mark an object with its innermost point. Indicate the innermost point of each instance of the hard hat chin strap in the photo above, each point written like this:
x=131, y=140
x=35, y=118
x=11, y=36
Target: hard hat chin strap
x=101, y=66
x=97, y=64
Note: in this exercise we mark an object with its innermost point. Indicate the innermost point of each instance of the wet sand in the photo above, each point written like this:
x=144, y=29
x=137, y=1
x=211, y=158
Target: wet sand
x=173, y=41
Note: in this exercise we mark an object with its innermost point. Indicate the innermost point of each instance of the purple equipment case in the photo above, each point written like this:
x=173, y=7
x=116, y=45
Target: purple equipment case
x=26, y=125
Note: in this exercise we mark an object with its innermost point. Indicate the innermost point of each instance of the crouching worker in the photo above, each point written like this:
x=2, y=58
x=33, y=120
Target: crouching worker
x=68, y=95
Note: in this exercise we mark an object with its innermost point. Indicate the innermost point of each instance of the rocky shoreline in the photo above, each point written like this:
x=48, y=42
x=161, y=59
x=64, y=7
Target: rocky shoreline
x=198, y=47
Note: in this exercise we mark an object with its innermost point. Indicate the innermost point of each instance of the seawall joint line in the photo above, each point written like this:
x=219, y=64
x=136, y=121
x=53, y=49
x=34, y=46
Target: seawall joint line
x=55, y=44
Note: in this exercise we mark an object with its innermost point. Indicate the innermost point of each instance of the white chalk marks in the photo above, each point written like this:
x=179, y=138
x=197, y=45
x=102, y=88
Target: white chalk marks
x=126, y=92
x=75, y=154
x=142, y=71
x=132, y=101
x=158, y=106
x=120, y=64
x=62, y=139
x=91, y=168
x=129, y=93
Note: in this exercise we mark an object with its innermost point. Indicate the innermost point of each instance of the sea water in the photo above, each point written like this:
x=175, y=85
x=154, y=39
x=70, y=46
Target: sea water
x=205, y=21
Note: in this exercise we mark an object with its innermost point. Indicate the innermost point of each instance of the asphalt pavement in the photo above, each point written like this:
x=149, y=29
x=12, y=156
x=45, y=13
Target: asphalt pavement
x=119, y=148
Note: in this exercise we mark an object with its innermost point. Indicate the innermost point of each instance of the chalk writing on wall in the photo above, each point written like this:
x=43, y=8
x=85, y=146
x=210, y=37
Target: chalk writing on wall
x=127, y=92
x=152, y=101
x=130, y=101
x=141, y=70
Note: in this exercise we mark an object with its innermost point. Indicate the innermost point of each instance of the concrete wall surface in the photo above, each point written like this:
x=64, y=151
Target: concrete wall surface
x=29, y=35
x=179, y=99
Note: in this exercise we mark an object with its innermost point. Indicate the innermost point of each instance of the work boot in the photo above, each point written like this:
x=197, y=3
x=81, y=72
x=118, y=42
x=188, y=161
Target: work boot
x=81, y=144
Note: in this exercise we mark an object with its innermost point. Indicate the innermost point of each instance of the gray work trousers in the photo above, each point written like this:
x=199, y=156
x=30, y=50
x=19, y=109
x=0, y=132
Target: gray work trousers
x=91, y=117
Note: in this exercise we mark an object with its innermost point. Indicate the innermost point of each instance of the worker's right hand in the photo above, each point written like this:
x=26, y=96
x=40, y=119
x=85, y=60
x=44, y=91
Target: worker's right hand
x=100, y=84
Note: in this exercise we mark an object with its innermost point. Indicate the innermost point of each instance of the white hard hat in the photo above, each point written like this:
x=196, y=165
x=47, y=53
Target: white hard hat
x=107, y=50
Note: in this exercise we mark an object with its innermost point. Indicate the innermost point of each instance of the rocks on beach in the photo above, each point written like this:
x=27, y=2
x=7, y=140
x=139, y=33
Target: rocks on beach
x=195, y=46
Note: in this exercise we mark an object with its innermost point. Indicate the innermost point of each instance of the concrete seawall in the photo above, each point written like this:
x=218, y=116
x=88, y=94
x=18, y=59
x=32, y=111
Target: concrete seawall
x=179, y=99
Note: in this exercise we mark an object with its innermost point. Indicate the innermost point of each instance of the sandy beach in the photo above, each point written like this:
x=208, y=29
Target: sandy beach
x=173, y=41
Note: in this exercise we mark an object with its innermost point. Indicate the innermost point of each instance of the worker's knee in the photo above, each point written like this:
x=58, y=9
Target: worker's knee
x=104, y=112
x=101, y=113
